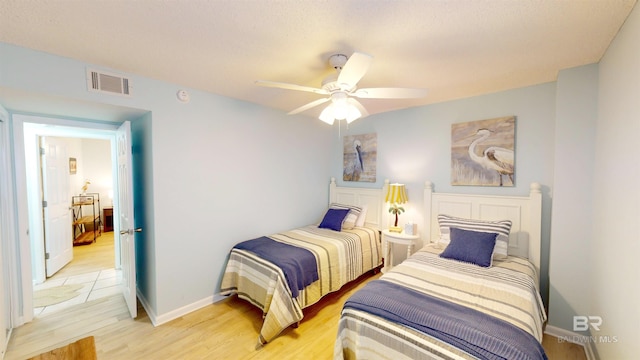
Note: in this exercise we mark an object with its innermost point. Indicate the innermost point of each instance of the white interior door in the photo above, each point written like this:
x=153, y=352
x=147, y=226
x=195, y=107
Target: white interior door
x=58, y=236
x=126, y=223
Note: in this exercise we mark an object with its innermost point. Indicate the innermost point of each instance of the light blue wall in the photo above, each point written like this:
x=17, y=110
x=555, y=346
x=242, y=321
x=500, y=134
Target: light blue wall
x=208, y=173
x=144, y=212
x=614, y=274
x=414, y=145
x=575, y=134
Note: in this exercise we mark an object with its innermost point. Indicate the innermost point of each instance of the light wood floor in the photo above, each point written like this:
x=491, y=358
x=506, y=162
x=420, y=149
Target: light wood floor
x=224, y=330
x=88, y=258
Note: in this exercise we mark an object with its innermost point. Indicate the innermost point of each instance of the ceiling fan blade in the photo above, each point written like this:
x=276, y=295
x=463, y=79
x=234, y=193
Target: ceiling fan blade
x=357, y=104
x=291, y=86
x=309, y=106
x=355, y=68
x=389, y=93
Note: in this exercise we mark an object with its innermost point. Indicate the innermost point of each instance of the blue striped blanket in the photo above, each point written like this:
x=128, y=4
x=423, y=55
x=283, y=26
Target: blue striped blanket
x=298, y=265
x=474, y=332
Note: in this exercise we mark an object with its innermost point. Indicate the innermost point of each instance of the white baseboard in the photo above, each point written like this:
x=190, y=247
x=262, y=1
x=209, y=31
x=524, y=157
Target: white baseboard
x=147, y=307
x=158, y=320
x=572, y=337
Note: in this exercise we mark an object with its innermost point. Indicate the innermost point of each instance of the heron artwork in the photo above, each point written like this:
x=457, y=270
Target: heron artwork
x=355, y=168
x=482, y=152
x=360, y=158
x=494, y=157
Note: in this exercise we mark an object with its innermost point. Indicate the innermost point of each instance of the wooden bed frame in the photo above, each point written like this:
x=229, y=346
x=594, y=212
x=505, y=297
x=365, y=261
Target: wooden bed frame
x=524, y=212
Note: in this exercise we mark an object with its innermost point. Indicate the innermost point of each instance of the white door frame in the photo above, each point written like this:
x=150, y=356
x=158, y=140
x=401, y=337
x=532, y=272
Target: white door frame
x=6, y=233
x=27, y=124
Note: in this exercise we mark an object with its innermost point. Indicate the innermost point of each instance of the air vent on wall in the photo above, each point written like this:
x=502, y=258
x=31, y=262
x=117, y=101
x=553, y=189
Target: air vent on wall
x=108, y=83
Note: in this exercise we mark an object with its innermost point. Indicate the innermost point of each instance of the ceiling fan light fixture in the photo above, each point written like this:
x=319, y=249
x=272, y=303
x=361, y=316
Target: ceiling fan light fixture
x=327, y=115
x=340, y=111
x=353, y=114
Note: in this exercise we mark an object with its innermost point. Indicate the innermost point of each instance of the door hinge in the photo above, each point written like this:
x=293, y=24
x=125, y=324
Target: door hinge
x=42, y=151
x=44, y=203
x=46, y=256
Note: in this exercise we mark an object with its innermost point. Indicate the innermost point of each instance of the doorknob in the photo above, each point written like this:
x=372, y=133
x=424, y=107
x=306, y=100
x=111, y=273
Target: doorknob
x=130, y=231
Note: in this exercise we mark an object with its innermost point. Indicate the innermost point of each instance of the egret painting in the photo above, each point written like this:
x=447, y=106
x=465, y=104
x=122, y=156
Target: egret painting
x=360, y=157
x=482, y=152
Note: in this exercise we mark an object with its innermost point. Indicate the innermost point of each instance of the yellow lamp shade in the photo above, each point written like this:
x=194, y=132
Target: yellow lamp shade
x=396, y=194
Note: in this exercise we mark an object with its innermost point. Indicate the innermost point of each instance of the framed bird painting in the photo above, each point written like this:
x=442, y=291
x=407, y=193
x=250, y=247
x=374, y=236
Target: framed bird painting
x=73, y=166
x=482, y=152
x=360, y=157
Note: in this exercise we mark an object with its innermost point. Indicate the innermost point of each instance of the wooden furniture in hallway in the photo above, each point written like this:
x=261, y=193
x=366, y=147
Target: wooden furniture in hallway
x=86, y=218
x=107, y=214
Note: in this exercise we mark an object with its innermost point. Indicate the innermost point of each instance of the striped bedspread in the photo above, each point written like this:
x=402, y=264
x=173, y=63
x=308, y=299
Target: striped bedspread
x=508, y=291
x=297, y=264
x=341, y=257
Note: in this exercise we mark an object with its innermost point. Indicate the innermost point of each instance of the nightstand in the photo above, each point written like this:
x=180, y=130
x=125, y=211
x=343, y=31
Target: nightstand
x=107, y=213
x=388, y=239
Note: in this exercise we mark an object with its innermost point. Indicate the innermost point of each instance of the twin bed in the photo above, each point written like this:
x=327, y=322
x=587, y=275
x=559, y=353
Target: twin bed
x=341, y=256
x=470, y=292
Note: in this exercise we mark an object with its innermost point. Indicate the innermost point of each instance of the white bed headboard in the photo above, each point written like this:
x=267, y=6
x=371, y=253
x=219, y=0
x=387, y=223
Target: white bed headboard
x=525, y=213
x=372, y=198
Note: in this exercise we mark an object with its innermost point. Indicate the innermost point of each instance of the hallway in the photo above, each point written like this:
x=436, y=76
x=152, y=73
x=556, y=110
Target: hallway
x=93, y=268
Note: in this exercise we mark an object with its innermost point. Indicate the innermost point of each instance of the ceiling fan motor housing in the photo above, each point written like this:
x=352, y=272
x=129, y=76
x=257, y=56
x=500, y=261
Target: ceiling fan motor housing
x=330, y=83
x=337, y=61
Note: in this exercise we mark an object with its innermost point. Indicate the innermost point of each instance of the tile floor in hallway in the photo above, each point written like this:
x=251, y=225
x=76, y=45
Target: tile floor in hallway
x=96, y=285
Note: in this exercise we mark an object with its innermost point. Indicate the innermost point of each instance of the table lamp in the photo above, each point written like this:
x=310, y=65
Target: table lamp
x=396, y=194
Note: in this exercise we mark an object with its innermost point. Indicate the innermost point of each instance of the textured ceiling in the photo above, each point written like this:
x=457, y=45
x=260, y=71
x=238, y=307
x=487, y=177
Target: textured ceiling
x=455, y=49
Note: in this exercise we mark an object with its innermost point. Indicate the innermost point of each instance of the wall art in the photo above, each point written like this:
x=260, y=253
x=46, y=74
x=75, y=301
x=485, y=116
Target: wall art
x=482, y=152
x=73, y=166
x=360, y=157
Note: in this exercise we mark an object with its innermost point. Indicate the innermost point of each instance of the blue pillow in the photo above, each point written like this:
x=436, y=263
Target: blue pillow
x=470, y=246
x=333, y=219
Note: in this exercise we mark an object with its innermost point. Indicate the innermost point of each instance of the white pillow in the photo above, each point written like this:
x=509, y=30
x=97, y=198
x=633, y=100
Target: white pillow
x=362, y=217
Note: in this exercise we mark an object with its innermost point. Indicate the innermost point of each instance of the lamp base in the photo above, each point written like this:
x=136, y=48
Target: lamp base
x=395, y=229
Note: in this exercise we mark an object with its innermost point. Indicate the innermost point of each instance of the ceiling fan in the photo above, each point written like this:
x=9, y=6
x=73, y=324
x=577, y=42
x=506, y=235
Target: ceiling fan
x=342, y=89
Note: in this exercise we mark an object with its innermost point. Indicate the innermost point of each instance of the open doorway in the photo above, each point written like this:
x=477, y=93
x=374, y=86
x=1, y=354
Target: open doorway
x=29, y=204
x=77, y=183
